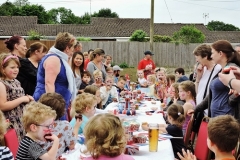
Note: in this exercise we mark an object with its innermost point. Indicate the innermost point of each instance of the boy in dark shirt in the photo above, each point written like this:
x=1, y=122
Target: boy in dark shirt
x=86, y=77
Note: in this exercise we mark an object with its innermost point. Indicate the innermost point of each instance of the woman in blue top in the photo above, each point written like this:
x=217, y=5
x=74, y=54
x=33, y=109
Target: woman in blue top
x=54, y=73
x=219, y=102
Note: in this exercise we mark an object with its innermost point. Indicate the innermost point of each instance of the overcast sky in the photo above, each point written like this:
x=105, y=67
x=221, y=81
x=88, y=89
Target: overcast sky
x=166, y=11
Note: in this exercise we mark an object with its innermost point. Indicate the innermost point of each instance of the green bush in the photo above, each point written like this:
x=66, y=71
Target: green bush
x=84, y=39
x=158, y=38
x=124, y=65
x=34, y=35
x=138, y=35
x=189, y=34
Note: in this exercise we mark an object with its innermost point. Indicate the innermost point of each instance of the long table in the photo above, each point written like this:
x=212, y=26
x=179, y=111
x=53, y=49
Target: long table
x=165, y=151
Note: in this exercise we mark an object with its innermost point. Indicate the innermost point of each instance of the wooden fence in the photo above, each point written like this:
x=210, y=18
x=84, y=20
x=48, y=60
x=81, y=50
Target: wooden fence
x=165, y=54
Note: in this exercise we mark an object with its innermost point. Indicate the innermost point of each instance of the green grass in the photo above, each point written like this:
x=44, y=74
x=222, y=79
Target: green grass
x=132, y=72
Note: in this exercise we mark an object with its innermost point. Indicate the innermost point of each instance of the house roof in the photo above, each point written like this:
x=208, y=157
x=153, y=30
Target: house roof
x=104, y=27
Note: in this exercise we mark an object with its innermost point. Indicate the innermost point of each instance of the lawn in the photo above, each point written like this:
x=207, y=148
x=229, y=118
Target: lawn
x=133, y=71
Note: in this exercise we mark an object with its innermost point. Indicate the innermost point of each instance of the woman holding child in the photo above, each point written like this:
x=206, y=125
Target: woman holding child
x=54, y=72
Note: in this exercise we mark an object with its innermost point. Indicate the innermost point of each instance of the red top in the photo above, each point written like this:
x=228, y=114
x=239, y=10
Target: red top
x=142, y=65
x=86, y=61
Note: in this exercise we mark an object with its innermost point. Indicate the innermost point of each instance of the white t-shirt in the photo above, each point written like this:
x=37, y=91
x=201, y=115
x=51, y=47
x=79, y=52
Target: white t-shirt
x=141, y=81
x=203, y=82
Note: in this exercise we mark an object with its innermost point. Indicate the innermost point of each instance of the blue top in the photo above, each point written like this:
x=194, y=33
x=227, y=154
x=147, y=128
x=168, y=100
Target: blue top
x=220, y=96
x=183, y=78
x=84, y=122
x=61, y=83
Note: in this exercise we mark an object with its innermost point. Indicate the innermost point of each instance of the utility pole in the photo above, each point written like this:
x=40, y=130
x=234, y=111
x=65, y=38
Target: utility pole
x=152, y=25
x=90, y=7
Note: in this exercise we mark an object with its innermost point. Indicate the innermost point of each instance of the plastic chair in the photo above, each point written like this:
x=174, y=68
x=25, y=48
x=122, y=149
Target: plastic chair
x=11, y=141
x=189, y=135
x=202, y=151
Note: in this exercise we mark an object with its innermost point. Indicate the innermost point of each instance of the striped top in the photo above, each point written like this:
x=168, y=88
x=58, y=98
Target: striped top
x=5, y=153
x=29, y=150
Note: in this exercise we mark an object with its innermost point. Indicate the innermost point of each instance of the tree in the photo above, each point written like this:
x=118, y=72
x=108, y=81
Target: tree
x=8, y=9
x=85, y=19
x=189, y=34
x=221, y=26
x=138, y=35
x=63, y=16
x=35, y=10
x=20, y=3
x=105, y=12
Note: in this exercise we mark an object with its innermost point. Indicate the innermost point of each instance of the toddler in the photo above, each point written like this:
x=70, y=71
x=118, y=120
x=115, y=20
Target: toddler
x=108, y=92
x=105, y=138
x=120, y=85
x=86, y=77
x=84, y=104
x=62, y=129
x=141, y=80
x=151, y=80
x=38, y=122
x=98, y=78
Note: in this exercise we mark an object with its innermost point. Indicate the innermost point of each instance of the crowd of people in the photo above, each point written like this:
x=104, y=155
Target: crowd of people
x=45, y=90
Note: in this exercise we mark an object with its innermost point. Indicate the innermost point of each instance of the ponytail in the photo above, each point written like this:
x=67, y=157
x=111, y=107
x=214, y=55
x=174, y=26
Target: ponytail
x=28, y=53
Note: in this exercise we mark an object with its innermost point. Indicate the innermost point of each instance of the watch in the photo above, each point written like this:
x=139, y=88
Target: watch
x=229, y=83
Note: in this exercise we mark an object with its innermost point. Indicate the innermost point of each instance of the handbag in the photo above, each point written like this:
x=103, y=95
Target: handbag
x=198, y=116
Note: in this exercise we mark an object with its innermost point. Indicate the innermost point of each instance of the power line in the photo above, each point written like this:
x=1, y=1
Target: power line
x=207, y=5
x=168, y=10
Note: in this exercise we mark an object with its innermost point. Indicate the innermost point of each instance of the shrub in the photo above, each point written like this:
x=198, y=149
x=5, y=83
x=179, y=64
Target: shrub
x=123, y=65
x=84, y=39
x=34, y=35
x=158, y=38
x=189, y=34
x=138, y=35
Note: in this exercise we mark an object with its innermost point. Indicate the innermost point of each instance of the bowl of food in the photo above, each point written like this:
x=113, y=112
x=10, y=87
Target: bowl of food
x=144, y=126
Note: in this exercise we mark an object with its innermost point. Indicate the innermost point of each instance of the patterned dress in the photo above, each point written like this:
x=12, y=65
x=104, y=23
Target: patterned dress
x=64, y=131
x=14, y=91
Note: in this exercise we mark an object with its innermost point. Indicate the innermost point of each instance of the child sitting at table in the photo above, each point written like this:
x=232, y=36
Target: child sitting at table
x=105, y=138
x=176, y=119
x=62, y=129
x=120, y=85
x=38, y=122
x=94, y=90
x=141, y=80
x=84, y=104
x=5, y=152
x=86, y=77
x=98, y=78
x=108, y=92
x=161, y=84
x=223, y=136
x=187, y=93
x=151, y=79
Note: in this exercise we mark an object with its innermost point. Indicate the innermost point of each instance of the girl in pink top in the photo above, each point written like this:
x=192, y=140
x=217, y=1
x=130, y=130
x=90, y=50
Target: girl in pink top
x=187, y=92
x=105, y=138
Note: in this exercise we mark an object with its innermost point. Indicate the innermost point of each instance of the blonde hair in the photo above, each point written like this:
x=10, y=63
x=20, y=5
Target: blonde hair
x=97, y=72
x=82, y=101
x=92, y=89
x=4, y=62
x=109, y=69
x=64, y=40
x=104, y=135
x=152, y=78
x=109, y=77
x=36, y=113
x=85, y=53
x=3, y=125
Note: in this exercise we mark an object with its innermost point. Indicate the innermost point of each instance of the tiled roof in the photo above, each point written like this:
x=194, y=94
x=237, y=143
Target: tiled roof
x=104, y=27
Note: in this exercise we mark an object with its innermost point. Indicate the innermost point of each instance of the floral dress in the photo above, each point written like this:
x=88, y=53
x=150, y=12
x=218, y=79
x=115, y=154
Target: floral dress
x=14, y=91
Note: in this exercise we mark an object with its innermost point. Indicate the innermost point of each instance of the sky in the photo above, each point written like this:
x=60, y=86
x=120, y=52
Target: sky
x=166, y=11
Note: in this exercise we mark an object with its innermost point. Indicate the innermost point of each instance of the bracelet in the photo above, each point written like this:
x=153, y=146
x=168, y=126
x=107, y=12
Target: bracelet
x=229, y=83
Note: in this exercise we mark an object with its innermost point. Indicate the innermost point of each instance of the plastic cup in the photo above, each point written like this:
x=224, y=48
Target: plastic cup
x=153, y=132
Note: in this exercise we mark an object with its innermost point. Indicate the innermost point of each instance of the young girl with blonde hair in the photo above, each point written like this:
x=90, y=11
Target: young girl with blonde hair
x=105, y=138
x=12, y=97
x=187, y=92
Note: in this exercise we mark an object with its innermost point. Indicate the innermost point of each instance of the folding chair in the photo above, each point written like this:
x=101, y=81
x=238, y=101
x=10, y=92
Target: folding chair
x=11, y=141
x=202, y=151
x=188, y=137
